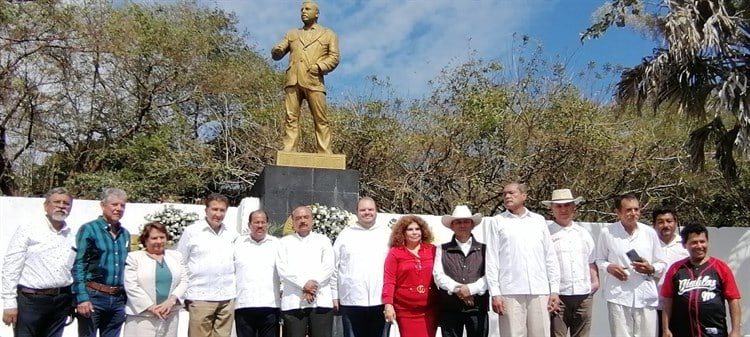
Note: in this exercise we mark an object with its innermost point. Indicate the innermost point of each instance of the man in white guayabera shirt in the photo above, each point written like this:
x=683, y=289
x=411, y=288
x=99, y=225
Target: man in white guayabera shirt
x=257, y=304
x=360, y=252
x=630, y=259
x=37, y=270
x=579, y=277
x=522, y=271
x=305, y=265
x=666, y=225
x=208, y=249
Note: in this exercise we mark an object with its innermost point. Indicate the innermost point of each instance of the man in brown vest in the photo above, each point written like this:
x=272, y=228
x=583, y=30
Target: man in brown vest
x=459, y=273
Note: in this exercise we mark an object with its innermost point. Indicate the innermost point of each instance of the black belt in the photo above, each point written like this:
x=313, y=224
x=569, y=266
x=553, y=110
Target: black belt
x=48, y=291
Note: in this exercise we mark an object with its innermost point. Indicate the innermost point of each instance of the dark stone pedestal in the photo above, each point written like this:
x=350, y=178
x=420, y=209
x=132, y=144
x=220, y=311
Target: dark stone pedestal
x=283, y=188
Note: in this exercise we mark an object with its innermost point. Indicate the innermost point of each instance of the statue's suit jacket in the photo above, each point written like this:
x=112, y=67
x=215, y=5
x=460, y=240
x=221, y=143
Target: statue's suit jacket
x=140, y=282
x=320, y=48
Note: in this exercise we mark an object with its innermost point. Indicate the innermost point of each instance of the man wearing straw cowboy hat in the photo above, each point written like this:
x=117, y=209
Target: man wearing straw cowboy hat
x=579, y=277
x=459, y=273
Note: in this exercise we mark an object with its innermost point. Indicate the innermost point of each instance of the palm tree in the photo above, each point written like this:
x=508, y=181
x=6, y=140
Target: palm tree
x=703, y=68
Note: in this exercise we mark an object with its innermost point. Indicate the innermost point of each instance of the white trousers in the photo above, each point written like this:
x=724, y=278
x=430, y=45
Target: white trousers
x=525, y=316
x=632, y=322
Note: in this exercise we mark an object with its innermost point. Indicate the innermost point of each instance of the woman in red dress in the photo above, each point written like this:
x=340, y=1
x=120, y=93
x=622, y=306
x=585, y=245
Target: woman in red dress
x=409, y=295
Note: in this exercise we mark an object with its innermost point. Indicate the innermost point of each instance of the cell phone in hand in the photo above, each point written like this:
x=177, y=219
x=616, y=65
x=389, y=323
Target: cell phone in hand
x=633, y=256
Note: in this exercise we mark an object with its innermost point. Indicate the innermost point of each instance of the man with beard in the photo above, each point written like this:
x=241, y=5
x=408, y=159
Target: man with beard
x=207, y=246
x=98, y=271
x=696, y=292
x=305, y=265
x=665, y=223
x=257, y=306
x=36, y=271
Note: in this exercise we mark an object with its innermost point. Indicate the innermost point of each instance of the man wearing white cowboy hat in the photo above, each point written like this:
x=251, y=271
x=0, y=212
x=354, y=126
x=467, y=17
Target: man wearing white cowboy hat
x=522, y=271
x=579, y=277
x=459, y=273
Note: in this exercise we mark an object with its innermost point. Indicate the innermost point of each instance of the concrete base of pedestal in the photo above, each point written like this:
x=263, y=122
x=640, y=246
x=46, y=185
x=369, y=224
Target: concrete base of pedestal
x=283, y=188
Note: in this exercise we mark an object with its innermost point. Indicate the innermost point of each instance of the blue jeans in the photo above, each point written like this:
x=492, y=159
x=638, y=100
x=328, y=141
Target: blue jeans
x=42, y=315
x=364, y=321
x=107, y=318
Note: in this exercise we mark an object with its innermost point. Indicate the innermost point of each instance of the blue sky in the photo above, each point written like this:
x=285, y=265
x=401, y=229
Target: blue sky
x=410, y=41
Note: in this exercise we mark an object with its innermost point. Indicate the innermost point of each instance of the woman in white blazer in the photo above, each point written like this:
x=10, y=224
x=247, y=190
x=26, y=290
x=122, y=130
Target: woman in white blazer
x=155, y=280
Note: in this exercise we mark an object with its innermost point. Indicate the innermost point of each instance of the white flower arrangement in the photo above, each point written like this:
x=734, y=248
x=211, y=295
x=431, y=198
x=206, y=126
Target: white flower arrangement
x=174, y=219
x=330, y=221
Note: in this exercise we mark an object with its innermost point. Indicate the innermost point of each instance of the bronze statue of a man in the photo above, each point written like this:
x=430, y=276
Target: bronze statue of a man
x=314, y=52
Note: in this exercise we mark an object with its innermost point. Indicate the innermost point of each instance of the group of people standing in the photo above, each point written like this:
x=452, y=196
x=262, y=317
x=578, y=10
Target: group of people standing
x=539, y=277
x=53, y=274
x=542, y=277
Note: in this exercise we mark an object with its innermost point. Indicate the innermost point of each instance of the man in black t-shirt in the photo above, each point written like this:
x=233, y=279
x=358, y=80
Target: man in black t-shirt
x=695, y=289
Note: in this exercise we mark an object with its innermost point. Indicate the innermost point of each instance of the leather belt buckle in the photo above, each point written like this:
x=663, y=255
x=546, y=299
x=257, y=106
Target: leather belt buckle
x=104, y=288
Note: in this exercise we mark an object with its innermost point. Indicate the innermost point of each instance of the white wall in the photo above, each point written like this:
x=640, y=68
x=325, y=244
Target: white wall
x=729, y=244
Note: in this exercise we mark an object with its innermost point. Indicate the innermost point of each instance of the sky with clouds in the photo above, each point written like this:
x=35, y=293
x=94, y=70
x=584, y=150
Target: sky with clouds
x=410, y=41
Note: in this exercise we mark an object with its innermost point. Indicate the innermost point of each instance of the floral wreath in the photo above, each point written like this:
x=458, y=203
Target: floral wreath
x=329, y=221
x=174, y=219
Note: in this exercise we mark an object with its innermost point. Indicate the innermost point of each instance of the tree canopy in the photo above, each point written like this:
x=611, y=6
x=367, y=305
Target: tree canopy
x=170, y=102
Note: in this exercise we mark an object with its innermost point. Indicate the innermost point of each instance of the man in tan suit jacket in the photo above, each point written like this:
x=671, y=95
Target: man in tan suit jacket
x=314, y=52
